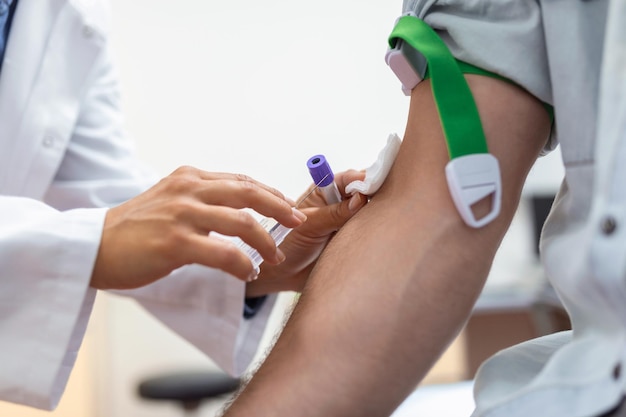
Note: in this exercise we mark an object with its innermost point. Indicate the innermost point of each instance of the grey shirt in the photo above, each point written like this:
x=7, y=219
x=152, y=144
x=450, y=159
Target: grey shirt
x=555, y=50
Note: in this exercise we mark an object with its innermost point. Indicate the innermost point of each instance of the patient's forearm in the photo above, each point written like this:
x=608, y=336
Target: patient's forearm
x=398, y=281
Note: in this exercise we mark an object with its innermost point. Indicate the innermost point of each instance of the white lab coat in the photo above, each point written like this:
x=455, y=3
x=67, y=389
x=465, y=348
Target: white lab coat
x=64, y=158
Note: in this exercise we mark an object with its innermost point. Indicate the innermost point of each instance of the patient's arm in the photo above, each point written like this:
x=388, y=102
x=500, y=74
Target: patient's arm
x=397, y=283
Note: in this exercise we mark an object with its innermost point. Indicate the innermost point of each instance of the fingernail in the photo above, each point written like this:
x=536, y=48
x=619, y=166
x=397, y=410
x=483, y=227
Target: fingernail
x=299, y=215
x=253, y=275
x=280, y=256
x=355, y=203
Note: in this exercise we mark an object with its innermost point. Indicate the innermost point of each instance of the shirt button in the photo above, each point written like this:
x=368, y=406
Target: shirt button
x=48, y=141
x=608, y=225
x=617, y=371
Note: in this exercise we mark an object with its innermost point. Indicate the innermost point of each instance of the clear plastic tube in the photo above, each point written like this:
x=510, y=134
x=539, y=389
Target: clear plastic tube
x=324, y=179
x=331, y=193
x=277, y=231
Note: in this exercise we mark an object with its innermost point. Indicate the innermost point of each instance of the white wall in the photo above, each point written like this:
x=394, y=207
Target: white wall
x=258, y=87
x=250, y=87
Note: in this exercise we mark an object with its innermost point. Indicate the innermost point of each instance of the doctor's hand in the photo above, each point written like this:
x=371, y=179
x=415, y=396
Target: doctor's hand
x=168, y=226
x=305, y=243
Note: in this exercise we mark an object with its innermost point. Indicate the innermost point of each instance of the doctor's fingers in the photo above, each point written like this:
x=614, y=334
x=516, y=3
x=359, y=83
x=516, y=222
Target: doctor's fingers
x=245, y=194
x=221, y=254
x=233, y=222
x=191, y=172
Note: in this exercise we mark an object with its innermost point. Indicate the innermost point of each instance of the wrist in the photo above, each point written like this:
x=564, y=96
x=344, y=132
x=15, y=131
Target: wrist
x=263, y=284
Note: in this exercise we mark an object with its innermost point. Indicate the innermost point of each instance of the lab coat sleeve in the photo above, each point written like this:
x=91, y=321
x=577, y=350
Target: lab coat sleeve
x=46, y=257
x=49, y=239
x=205, y=307
x=100, y=169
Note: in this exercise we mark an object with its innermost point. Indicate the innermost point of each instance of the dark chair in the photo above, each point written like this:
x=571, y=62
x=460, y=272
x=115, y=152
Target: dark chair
x=188, y=389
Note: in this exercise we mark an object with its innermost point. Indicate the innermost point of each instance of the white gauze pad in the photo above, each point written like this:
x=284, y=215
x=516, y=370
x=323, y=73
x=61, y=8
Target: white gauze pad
x=375, y=175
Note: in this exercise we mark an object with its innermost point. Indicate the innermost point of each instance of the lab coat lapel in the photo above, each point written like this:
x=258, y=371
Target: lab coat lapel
x=50, y=53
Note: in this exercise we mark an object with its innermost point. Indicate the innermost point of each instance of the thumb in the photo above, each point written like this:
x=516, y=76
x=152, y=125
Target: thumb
x=324, y=220
x=342, y=212
x=356, y=203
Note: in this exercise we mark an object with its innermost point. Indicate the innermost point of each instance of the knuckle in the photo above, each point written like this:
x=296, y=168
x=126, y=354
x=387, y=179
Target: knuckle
x=244, y=178
x=184, y=170
x=171, y=246
x=245, y=219
x=230, y=255
x=182, y=183
x=181, y=207
x=278, y=194
x=177, y=238
x=183, y=248
x=249, y=186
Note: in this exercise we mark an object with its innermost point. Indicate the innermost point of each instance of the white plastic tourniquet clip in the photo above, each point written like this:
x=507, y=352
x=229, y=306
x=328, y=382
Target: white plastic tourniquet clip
x=472, y=178
x=397, y=60
x=407, y=63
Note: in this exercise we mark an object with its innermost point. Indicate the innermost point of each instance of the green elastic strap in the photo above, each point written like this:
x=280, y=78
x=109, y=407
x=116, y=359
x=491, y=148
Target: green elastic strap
x=457, y=110
x=467, y=68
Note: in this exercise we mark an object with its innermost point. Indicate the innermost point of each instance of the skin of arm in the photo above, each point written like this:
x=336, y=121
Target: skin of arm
x=398, y=282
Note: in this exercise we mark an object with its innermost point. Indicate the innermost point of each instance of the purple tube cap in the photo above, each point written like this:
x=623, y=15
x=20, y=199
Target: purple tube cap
x=320, y=170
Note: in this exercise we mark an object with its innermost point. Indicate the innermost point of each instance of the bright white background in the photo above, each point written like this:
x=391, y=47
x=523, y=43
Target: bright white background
x=256, y=88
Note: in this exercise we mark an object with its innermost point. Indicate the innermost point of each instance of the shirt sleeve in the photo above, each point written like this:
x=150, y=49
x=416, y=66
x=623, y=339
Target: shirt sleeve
x=505, y=37
x=205, y=307
x=48, y=249
x=46, y=258
x=101, y=169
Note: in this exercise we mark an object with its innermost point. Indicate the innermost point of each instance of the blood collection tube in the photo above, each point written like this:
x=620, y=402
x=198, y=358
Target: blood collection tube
x=324, y=178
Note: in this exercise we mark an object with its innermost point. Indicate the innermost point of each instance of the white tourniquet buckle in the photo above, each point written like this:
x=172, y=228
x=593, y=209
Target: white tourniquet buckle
x=397, y=60
x=408, y=64
x=471, y=178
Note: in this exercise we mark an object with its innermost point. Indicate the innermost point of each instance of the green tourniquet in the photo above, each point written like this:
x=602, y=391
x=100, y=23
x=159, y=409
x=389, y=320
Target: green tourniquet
x=457, y=110
x=472, y=69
